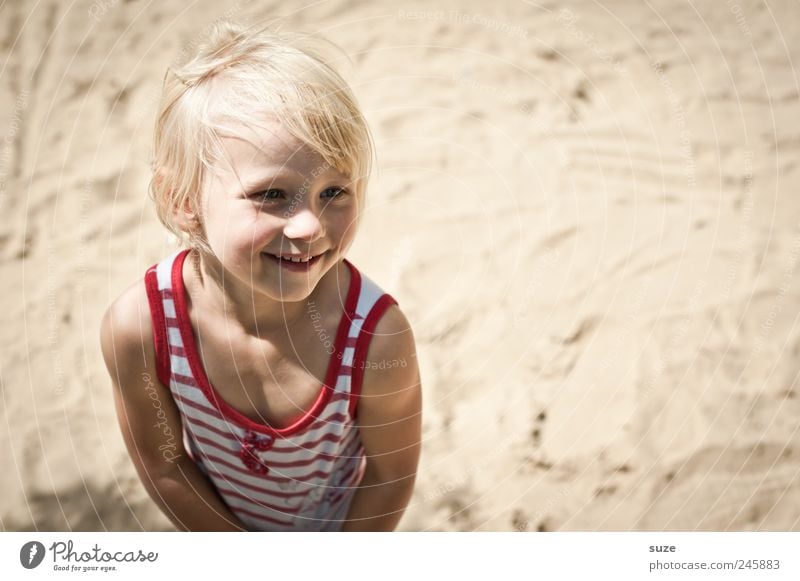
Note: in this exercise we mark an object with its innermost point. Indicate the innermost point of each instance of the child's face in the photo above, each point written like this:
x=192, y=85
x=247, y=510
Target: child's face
x=276, y=196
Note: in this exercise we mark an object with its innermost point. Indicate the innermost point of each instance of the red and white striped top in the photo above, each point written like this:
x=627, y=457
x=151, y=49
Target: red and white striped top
x=298, y=478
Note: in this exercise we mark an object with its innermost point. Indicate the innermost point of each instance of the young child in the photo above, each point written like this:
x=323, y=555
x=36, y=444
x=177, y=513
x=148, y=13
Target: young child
x=261, y=381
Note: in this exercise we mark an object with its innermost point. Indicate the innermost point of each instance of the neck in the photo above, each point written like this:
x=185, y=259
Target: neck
x=256, y=314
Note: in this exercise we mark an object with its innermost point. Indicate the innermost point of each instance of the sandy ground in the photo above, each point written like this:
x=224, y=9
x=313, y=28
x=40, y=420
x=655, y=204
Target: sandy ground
x=585, y=209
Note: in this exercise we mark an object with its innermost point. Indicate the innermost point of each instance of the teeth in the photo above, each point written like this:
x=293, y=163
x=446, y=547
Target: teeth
x=293, y=259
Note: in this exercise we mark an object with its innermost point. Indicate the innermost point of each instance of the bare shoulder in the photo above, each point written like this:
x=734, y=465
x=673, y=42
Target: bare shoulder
x=390, y=406
x=391, y=361
x=393, y=333
x=126, y=330
x=142, y=402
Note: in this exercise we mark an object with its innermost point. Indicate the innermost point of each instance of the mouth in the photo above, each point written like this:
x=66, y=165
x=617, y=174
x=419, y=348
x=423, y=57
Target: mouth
x=298, y=264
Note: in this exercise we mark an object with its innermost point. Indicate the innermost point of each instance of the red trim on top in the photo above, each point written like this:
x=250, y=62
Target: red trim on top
x=362, y=346
x=159, y=326
x=199, y=372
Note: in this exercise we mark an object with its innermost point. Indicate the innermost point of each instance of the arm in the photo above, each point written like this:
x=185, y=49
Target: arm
x=390, y=421
x=151, y=424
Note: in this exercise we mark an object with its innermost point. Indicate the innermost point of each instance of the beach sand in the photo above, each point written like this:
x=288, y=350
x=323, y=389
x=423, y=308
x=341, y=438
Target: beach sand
x=585, y=210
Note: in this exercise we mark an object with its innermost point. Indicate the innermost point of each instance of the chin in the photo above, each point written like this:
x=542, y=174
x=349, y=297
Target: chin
x=288, y=293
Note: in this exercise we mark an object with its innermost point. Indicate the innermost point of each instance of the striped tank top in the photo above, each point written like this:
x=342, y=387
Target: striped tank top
x=301, y=477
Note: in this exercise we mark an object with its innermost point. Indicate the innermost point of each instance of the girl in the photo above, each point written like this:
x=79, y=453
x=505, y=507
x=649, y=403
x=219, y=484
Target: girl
x=247, y=367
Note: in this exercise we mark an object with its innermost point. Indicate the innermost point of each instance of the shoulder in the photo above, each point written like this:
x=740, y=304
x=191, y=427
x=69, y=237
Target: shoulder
x=141, y=400
x=390, y=406
x=393, y=334
x=126, y=329
x=391, y=360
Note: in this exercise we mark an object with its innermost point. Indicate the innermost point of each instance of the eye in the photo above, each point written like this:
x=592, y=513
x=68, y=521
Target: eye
x=334, y=192
x=268, y=195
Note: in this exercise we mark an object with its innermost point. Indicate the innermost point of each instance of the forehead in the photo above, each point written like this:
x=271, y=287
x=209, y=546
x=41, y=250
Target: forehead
x=266, y=145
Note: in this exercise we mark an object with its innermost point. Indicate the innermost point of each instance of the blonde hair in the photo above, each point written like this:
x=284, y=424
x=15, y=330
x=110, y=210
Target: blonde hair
x=263, y=74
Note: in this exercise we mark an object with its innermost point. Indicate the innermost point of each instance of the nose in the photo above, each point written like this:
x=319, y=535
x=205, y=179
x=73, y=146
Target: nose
x=304, y=225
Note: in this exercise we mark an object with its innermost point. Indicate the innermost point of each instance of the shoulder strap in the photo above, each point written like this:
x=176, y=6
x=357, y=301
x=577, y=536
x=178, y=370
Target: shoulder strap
x=372, y=304
x=158, y=284
x=159, y=326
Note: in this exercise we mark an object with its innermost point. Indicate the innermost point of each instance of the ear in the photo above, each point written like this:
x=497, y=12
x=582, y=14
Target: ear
x=183, y=217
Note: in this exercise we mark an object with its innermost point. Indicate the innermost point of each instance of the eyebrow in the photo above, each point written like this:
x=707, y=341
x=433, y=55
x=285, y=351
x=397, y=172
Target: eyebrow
x=265, y=180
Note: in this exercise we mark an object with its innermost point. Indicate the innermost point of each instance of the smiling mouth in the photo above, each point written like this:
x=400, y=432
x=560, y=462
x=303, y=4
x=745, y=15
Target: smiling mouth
x=296, y=265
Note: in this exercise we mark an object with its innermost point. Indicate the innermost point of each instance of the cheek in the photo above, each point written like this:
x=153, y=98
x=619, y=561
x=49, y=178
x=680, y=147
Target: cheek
x=244, y=231
x=345, y=229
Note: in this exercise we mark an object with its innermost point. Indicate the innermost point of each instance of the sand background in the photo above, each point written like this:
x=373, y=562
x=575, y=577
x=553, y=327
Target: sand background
x=588, y=211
